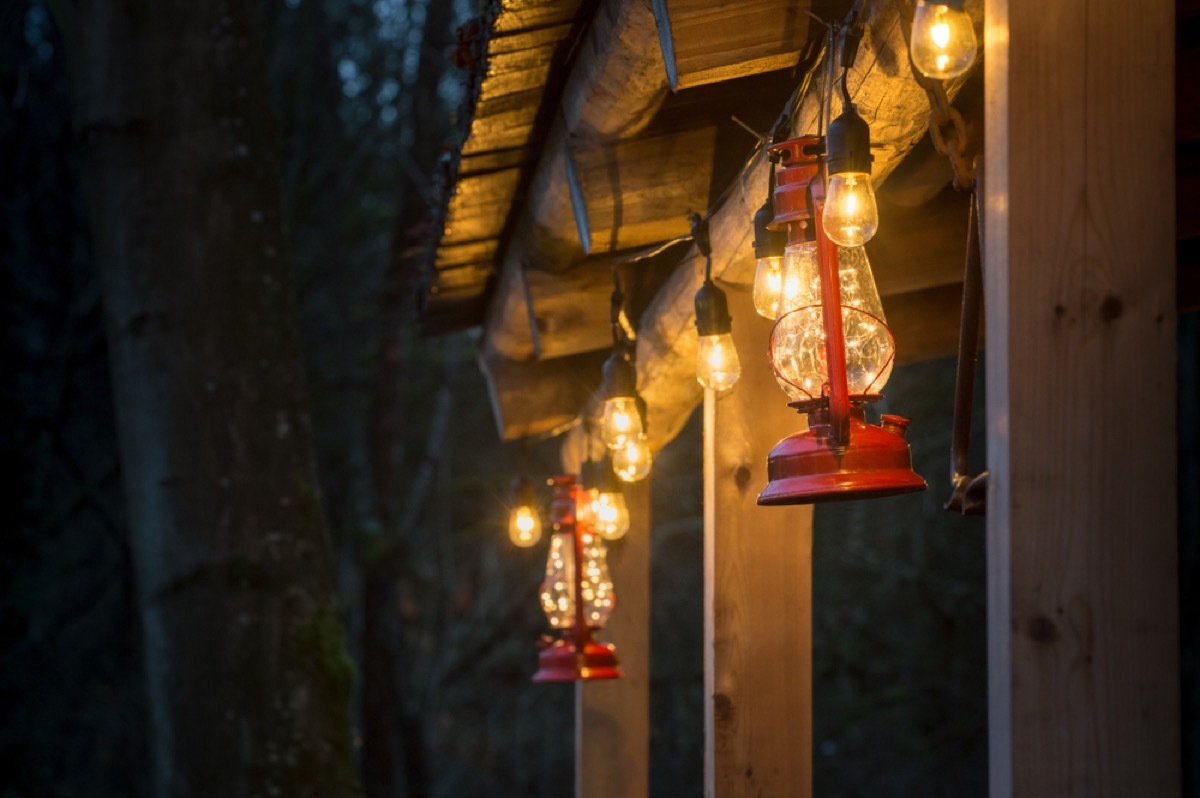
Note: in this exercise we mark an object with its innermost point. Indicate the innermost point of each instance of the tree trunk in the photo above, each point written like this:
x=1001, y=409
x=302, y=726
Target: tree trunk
x=248, y=681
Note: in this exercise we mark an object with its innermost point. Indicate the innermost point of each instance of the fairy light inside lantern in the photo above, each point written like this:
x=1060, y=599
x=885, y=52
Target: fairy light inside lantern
x=557, y=591
x=831, y=352
x=943, y=42
x=576, y=600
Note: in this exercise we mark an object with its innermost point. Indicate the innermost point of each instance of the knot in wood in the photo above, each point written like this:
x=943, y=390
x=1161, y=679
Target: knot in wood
x=722, y=707
x=1042, y=630
x=1111, y=308
x=741, y=477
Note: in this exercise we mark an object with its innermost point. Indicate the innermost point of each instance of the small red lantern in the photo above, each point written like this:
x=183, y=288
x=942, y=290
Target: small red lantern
x=577, y=600
x=831, y=351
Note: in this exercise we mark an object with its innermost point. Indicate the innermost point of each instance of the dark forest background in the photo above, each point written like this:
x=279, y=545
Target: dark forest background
x=439, y=610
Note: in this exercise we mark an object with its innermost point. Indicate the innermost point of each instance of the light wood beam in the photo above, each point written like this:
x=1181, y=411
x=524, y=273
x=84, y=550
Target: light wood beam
x=757, y=591
x=612, y=737
x=1080, y=269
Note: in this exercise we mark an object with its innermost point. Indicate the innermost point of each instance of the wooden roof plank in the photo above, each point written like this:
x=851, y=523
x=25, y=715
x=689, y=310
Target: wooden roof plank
x=520, y=15
x=710, y=42
x=535, y=397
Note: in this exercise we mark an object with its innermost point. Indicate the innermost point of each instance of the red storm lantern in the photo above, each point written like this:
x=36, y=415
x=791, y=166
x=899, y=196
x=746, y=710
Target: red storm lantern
x=576, y=600
x=831, y=351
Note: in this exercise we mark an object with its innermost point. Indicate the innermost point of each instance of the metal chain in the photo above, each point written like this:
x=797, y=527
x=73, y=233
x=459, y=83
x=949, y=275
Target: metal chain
x=947, y=129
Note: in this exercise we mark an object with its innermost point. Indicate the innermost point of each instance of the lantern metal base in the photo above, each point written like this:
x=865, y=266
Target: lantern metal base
x=807, y=467
x=565, y=661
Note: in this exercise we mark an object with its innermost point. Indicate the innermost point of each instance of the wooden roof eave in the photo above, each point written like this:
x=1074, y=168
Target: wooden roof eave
x=546, y=234
x=888, y=97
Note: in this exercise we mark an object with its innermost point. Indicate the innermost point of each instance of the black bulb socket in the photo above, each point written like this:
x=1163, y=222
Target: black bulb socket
x=767, y=243
x=848, y=144
x=522, y=491
x=712, y=310
x=620, y=378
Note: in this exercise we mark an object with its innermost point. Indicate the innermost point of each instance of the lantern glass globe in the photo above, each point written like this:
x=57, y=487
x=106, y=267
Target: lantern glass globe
x=798, y=338
x=596, y=587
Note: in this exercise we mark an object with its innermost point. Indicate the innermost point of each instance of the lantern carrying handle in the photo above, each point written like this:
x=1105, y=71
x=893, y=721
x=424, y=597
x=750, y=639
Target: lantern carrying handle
x=969, y=493
x=835, y=337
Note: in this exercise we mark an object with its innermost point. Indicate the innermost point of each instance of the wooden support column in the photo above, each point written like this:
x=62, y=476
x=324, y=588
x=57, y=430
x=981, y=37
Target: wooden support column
x=612, y=717
x=1080, y=279
x=757, y=588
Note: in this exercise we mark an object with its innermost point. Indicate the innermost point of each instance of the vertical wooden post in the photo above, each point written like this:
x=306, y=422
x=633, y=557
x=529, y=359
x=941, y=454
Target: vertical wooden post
x=1079, y=264
x=612, y=717
x=757, y=588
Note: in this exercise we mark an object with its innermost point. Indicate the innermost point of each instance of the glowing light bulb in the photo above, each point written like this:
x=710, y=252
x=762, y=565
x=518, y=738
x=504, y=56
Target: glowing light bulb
x=524, y=526
x=622, y=421
x=632, y=461
x=943, y=40
x=610, y=514
x=798, y=338
x=768, y=282
x=596, y=588
x=560, y=581
x=851, y=215
x=717, y=364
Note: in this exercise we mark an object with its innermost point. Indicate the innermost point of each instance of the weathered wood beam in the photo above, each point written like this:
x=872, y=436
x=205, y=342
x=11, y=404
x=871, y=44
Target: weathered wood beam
x=572, y=310
x=635, y=193
x=638, y=192
x=1083, y=608
x=614, y=90
x=757, y=592
x=538, y=397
